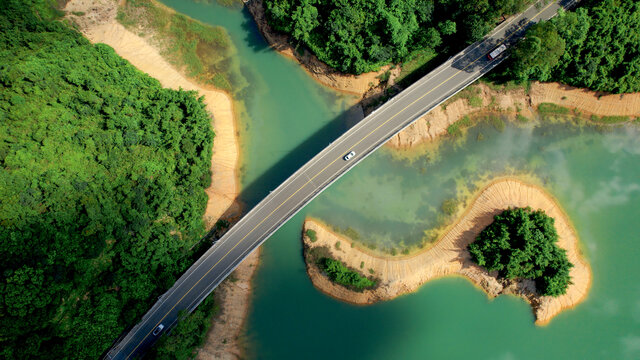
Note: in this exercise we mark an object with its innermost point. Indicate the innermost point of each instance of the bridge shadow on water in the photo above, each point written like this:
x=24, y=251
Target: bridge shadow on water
x=252, y=193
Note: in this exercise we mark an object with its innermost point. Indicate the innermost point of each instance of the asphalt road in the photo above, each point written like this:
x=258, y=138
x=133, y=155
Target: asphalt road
x=316, y=175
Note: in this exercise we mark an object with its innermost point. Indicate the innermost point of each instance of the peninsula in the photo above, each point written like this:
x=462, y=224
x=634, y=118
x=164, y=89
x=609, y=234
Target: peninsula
x=399, y=275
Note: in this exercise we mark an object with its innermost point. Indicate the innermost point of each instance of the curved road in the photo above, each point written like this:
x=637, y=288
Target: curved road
x=315, y=176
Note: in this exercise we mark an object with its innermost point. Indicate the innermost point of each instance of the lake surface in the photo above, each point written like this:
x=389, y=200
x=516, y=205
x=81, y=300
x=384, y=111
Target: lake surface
x=594, y=174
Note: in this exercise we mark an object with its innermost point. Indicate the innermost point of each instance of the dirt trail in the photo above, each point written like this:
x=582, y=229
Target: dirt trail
x=403, y=274
x=99, y=24
x=513, y=102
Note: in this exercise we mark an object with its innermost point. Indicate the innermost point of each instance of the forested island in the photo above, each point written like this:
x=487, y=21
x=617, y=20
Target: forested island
x=533, y=254
x=102, y=189
x=521, y=244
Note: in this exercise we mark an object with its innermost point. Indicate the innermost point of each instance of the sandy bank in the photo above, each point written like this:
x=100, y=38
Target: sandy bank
x=512, y=102
x=403, y=274
x=353, y=84
x=99, y=25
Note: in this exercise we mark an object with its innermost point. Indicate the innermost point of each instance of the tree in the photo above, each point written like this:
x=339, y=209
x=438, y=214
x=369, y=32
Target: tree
x=356, y=36
x=102, y=187
x=521, y=244
x=538, y=53
x=601, y=42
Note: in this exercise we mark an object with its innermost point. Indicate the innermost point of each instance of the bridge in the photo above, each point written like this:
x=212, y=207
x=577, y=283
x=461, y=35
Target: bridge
x=320, y=172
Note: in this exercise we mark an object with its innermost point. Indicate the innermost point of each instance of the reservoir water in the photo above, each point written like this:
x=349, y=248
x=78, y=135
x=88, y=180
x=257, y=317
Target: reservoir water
x=594, y=173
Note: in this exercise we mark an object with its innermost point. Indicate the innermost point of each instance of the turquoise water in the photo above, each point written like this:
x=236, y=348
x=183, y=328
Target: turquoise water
x=594, y=174
x=596, y=178
x=290, y=116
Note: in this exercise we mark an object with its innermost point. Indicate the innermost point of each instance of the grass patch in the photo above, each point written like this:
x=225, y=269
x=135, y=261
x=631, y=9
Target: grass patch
x=204, y=52
x=522, y=119
x=417, y=66
x=475, y=101
x=337, y=245
x=384, y=77
x=349, y=232
x=613, y=119
x=497, y=122
x=449, y=206
x=456, y=129
x=311, y=234
x=550, y=108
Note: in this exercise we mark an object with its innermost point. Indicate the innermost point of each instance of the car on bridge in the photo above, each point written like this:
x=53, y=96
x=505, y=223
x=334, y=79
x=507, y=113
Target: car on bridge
x=158, y=330
x=349, y=155
x=497, y=51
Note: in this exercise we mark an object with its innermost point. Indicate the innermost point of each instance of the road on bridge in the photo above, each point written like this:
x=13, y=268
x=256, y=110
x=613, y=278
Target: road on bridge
x=316, y=175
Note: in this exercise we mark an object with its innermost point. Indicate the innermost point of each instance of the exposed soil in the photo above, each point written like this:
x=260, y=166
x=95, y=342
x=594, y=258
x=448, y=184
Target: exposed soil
x=449, y=256
x=512, y=103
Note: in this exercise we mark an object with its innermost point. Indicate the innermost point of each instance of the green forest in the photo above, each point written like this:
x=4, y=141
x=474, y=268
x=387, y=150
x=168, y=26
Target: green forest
x=356, y=36
x=596, y=47
x=521, y=244
x=102, y=188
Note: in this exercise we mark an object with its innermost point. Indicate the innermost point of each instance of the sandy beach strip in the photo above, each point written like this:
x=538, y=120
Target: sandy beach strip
x=448, y=256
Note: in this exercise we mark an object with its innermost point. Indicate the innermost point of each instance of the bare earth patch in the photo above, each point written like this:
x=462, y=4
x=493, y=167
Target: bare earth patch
x=98, y=23
x=449, y=256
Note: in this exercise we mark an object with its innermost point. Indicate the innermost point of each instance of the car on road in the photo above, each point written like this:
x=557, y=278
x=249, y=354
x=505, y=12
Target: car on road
x=349, y=155
x=497, y=51
x=158, y=330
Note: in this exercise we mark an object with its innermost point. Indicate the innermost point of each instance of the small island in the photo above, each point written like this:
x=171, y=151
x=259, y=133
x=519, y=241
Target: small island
x=455, y=253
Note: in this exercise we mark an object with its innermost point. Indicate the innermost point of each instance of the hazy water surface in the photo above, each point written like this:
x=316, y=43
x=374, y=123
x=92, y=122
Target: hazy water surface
x=595, y=176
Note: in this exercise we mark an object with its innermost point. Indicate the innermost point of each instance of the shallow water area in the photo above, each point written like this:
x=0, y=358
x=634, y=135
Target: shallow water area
x=593, y=172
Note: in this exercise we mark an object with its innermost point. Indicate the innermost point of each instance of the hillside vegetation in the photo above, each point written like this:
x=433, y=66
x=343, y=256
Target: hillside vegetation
x=357, y=36
x=102, y=187
x=596, y=47
x=521, y=244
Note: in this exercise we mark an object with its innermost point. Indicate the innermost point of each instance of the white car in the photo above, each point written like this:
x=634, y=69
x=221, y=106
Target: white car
x=497, y=51
x=349, y=155
x=158, y=330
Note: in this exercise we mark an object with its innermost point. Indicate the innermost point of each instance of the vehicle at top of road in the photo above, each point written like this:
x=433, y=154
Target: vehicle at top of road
x=158, y=330
x=497, y=51
x=349, y=155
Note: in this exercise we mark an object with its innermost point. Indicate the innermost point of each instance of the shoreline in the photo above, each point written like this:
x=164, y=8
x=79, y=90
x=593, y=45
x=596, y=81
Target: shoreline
x=364, y=85
x=98, y=23
x=400, y=275
x=513, y=103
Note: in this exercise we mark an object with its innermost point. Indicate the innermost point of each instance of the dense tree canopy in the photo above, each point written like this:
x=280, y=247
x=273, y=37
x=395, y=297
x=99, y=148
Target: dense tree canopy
x=521, y=244
x=339, y=273
x=357, y=36
x=597, y=47
x=102, y=177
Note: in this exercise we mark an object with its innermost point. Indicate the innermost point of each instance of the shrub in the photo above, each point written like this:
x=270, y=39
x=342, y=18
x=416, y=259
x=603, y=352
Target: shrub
x=339, y=273
x=311, y=234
